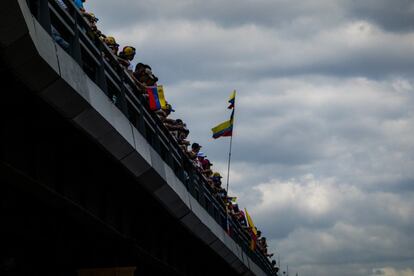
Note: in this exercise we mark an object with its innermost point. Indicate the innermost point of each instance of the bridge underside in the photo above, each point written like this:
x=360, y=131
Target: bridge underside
x=67, y=205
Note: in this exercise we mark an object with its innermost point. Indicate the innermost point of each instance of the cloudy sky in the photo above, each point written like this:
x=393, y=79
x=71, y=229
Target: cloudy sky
x=323, y=153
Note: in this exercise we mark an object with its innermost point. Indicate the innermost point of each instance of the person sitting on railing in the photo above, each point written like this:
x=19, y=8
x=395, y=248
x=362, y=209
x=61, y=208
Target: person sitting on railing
x=126, y=56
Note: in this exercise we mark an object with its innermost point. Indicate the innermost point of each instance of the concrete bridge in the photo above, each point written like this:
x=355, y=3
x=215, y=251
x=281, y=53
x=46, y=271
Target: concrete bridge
x=88, y=182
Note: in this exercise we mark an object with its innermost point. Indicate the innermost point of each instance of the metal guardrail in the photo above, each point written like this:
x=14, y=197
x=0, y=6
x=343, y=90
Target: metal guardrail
x=103, y=68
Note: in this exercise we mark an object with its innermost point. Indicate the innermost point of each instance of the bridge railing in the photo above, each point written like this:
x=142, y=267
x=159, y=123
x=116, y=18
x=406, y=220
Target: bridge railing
x=102, y=67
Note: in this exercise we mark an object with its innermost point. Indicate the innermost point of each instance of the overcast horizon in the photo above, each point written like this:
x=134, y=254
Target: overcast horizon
x=323, y=148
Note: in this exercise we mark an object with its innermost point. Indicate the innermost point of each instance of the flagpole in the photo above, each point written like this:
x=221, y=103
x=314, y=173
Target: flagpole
x=228, y=163
x=231, y=143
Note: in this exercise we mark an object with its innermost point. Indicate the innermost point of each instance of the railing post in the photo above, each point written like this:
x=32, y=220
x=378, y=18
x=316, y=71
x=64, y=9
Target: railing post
x=75, y=44
x=141, y=122
x=122, y=99
x=101, y=78
x=44, y=15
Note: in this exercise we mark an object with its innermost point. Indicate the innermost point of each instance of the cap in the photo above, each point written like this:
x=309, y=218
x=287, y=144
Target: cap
x=110, y=40
x=129, y=50
x=216, y=174
x=196, y=146
x=201, y=154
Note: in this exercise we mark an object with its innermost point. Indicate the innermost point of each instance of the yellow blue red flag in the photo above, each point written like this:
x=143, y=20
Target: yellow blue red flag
x=226, y=128
x=156, y=97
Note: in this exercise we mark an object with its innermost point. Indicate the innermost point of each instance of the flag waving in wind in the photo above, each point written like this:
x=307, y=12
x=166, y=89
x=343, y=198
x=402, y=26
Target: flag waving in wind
x=225, y=129
x=156, y=97
x=232, y=100
x=252, y=230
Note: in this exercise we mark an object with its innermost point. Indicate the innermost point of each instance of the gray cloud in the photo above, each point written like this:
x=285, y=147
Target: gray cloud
x=390, y=15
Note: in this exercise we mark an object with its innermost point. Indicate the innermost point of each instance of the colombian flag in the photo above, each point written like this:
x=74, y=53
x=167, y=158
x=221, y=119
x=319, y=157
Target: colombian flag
x=156, y=97
x=224, y=129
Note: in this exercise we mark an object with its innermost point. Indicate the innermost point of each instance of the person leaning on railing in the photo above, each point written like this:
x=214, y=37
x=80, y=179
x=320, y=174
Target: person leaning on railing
x=274, y=266
x=95, y=33
x=126, y=56
x=111, y=43
x=195, y=148
x=182, y=138
x=215, y=182
x=79, y=4
x=143, y=73
x=206, y=165
x=237, y=214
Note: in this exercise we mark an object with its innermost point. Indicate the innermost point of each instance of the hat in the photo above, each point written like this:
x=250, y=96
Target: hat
x=110, y=40
x=129, y=51
x=201, y=154
x=216, y=174
x=196, y=146
x=92, y=16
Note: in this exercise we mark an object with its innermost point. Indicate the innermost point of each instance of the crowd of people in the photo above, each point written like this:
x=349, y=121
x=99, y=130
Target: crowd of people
x=143, y=77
